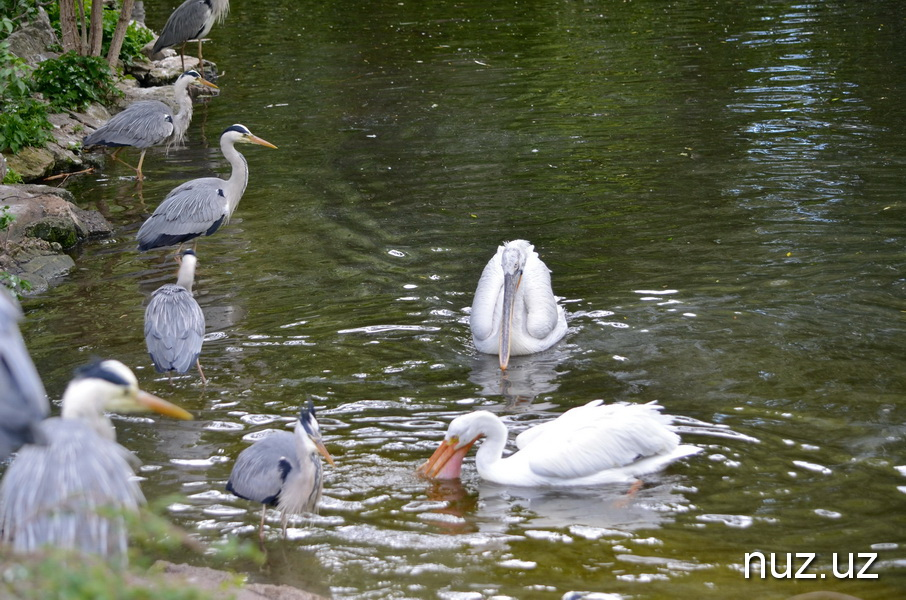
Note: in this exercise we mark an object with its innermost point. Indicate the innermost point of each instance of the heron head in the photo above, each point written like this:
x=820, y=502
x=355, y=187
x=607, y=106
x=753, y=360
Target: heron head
x=193, y=76
x=240, y=134
x=309, y=429
x=109, y=385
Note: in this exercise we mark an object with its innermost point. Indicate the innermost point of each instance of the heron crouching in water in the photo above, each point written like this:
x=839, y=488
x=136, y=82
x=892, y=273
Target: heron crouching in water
x=149, y=123
x=283, y=470
x=67, y=492
x=200, y=206
x=174, y=322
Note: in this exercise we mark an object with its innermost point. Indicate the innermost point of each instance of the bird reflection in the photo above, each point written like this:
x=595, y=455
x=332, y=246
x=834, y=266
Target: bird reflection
x=526, y=378
x=459, y=503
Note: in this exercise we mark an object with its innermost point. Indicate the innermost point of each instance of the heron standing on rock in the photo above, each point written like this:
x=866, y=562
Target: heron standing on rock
x=192, y=20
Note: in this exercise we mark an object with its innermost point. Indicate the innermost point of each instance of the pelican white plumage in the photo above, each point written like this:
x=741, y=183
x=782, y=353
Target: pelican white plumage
x=514, y=311
x=588, y=445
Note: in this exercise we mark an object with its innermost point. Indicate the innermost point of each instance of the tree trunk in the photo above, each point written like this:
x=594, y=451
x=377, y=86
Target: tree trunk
x=96, y=35
x=68, y=26
x=119, y=34
x=83, y=38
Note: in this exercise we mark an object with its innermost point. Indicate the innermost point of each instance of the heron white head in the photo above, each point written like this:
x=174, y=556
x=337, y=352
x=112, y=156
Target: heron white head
x=110, y=385
x=309, y=432
x=187, y=260
x=193, y=76
x=240, y=134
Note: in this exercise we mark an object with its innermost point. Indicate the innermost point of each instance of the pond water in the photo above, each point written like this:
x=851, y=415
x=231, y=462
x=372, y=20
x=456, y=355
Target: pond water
x=718, y=190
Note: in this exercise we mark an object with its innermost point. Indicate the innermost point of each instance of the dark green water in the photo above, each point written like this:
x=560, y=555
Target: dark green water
x=718, y=189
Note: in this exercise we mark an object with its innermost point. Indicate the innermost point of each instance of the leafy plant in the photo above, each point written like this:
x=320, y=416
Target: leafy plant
x=23, y=120
x=72, y=82
x=14, y=12
x=11, y=177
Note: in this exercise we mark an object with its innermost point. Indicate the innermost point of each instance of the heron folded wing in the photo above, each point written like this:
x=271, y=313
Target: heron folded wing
x=191, y=20
x=174, y=329
x=195, y=208
x=261, y=469
x=142, y=125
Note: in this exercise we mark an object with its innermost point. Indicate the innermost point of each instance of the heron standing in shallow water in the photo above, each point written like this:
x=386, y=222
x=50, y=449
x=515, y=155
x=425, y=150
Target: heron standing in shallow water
x=174, y=322
x=592, y=444
x=149, y=123
x=200, y=206
x=23, y=403
x=514, y=311
x=283, y=469
x=62, y=493
x=192, y=20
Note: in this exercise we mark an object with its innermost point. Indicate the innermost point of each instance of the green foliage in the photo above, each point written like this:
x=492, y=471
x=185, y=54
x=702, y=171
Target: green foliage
x=23, y=123
x=23, y=120
x=14, y=12
x=72, y=82
x=11, y=177
x=6, y=219
x=16, y=284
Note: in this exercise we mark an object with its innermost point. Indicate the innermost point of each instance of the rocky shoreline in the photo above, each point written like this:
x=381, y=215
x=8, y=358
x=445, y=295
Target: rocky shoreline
x=46, y=221
x=47, y=225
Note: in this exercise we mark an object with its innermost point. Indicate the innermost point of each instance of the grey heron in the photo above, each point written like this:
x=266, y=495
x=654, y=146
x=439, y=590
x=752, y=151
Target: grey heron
x=514, y=311
x=201, y=206
x=174, y=322
x=72, y=491
x=149, y=123
x=23, y=403
x=283, y=469
x=192, y=20
x=588, y=445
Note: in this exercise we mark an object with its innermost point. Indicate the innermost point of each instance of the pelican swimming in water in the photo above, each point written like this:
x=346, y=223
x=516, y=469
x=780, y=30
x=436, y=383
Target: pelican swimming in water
x=514, y=311
x=589, y=445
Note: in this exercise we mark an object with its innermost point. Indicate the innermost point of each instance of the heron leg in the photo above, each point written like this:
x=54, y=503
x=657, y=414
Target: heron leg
x=141, y=160
x=204, y=380
x=200, y=61
x=261, y=526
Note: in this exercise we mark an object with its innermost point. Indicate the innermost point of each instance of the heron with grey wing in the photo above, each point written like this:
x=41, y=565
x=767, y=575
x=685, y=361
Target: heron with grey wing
x=174, y=322
x=149, y=123
x=23, y=403
x=192, y=20
x=72, y=491
x=201, y=206
x=283, y=470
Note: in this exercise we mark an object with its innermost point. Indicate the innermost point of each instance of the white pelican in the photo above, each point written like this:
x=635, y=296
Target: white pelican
x=589, y=445
x=514, y=311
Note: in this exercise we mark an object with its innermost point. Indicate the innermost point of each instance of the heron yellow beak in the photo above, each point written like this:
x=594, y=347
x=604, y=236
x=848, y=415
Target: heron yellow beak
x=254, y=139
x=204, y=81
x=322, y=450
x=161, y=406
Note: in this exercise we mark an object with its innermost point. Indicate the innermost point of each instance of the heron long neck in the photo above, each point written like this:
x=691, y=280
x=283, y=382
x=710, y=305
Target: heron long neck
x=183, y=115
x=81, y=401
x=491, y=450
x=239, y=179
x=186, y=276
